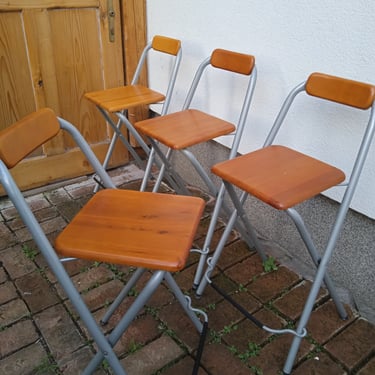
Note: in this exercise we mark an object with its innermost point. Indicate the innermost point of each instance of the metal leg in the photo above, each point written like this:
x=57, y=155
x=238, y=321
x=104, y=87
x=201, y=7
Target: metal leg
x=207, y=242
x=123, y=120
x=183, y=301
x=239, y=225
x=307, y=310
x=126, y=320
x=122, y=295
x=305, y=235
x=237, y=213
x=170, y=174
x=159, y=180
x=215, y=258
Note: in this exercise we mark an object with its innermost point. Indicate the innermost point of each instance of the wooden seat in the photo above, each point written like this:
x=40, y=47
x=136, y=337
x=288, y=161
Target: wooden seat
x=185, y=128
x=279, y=176
x=125, y=97
x=148, y=230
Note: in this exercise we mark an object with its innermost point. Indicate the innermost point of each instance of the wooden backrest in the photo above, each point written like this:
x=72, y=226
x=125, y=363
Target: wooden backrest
x=232, y=61
x=166, y=44
x=355, y=94
x=23, y=137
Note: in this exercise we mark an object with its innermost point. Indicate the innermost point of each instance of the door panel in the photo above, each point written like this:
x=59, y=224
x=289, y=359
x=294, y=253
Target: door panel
x=51, y=53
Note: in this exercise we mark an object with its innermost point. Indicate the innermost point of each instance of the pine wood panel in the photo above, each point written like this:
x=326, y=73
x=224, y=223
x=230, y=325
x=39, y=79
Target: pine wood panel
x=43, y=71
x=46, y=4
x=135, y=38
x=52, y=53
x=15, y=74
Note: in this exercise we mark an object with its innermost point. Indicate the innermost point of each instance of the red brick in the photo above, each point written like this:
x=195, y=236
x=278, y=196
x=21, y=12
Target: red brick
x=369, y=368
x=152, y=357
x=272, y=357
x=59, y=331
x=292, y=303
x=244, y=272
x=176, y=319
x=233, y=253
x=218, y=360
x=12, y=311
x=247, y=332
x=184, y=366
x=321, y=363
x=354, y=344
x=325, y=322
x=36, y=291
x=7, y=292
x=24, y=361
x=16, y=263
x=271, y=284
x=17, y=336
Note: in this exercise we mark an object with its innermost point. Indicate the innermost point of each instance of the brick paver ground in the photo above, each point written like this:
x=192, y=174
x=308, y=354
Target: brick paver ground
x=41, y=334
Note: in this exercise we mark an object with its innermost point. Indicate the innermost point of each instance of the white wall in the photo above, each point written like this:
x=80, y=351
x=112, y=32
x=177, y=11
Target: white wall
x=289, y=40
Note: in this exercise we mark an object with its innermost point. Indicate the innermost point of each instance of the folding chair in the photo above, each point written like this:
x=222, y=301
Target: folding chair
x=119, y=100
x=145, y=230
x=283, y=177
x=181, y=130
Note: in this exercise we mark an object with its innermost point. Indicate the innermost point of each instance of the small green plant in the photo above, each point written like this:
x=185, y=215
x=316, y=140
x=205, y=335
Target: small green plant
x=252, y=351
x=46, y=367
x=29, y=252
x=133, y=292
x=228, y=329
x=211, y=306
x=153, y=311
x=105, y=365
x=242, y=288
x=134, y=346
x=233, y=349
x=256, y=370
x=270, y=264
x=215, y=337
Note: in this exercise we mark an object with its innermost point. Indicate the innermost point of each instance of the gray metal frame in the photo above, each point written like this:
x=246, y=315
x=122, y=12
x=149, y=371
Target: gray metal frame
x=123, y=119
x=105, y=344
x=168, y=170
x=321, y=262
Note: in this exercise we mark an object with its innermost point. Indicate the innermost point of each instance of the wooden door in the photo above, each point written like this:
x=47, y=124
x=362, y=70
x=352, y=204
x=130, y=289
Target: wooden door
x=51, y=53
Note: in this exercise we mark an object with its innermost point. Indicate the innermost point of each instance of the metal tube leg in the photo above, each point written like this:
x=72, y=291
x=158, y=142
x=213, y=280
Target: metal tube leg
x=148, y=168
x=116, y=128
x=306, y=312
x=134, y=132
x=171, y=175
x=183, y=301
x=202, y=173
x=305, y=235
x=208, y=239
x=129, y=316
x=238, y=203
x=162, y=171
x=122, y=295
x=217, y=253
